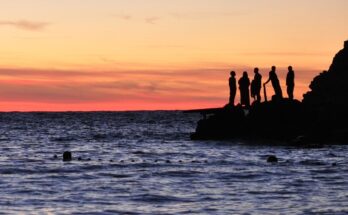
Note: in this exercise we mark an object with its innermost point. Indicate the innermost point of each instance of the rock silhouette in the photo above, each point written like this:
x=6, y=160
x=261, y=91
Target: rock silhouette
x=330, y=88
x=320, y=118
x=328, y=99
x=272, y=159
x=226, y=122
x=67, y=156
x=278, y=119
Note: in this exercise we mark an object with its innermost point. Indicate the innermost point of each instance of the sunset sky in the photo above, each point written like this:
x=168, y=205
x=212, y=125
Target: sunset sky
x=58, y=55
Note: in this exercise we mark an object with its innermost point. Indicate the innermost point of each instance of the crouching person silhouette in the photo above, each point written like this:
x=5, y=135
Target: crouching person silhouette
x=273, y=78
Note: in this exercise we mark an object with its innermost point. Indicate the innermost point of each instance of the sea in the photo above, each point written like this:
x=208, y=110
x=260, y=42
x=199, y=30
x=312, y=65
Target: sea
x=145, y=163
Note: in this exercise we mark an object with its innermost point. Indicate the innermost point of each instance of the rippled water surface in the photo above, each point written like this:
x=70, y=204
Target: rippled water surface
x=145, y=163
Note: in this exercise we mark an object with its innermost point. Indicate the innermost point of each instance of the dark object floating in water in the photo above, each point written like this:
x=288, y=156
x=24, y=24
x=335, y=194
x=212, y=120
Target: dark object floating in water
x=320, y=118
x=272, y=159
x=67, y=156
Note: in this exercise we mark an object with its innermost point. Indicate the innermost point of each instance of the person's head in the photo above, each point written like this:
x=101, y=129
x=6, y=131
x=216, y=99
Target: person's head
x=233, y=73
x=290, y=68
x=256, y=70
x=245, y=74
x=273, y=68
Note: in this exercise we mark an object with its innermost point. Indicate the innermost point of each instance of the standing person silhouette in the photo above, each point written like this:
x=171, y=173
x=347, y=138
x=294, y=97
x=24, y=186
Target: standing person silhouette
x=233, y=87
x=290, y=82
x=244, y=84
x=275, y=83
x=256, y=85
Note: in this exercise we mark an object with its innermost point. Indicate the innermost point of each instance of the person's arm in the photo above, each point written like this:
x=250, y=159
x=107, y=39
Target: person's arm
x=269, y=79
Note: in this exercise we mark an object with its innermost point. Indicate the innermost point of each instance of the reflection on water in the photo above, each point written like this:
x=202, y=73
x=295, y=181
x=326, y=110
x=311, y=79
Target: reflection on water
x=144, y=163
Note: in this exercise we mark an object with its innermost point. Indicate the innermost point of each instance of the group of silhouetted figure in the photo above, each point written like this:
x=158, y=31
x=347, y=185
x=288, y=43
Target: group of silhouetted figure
x=256, y=84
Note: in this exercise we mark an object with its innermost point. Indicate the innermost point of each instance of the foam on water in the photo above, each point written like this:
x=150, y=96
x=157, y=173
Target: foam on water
x=145, y=163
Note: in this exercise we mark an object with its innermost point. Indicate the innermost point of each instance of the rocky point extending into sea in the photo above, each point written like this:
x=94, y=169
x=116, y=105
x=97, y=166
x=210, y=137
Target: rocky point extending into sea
x=321, y=117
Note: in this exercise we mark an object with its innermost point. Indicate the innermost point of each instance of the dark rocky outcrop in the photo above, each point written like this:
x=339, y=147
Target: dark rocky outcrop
x=330, y=88
x=227, y=122
x=279, y=119
x=321, y=117
x=328, y=99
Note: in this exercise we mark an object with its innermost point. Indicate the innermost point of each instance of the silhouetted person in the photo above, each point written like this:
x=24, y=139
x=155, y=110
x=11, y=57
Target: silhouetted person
x=233, y=87
x=290, y=82
x=275, y=83
x=256, y=85
x=244, y=84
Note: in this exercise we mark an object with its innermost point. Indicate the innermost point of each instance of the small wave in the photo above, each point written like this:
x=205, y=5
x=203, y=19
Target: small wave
x=139, y=152
x=112, y=212
x=107, y=136
x=183, y=173
x=312, y=163
x=92, y=167
x=62, y=139
x=325, y=171
x=153, y=198
x=99, y=136
x=240, y=176
x=279, y=194
x=19, y=171
x=113, y=175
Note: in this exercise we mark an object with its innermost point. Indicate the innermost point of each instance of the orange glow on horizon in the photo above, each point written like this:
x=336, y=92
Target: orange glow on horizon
x=149, y=55
x=59, y=90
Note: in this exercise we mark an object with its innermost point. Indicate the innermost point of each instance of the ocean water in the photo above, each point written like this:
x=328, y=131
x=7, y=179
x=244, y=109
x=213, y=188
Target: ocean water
x=145, y=163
